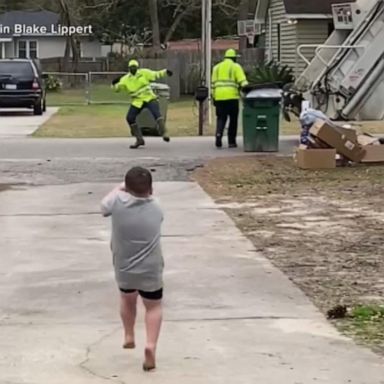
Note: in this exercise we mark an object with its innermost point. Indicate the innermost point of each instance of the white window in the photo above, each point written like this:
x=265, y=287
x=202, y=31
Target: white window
x=27, y=49
x=33, y=49
x=22, y=50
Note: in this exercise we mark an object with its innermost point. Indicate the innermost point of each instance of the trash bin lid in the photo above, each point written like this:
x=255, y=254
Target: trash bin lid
x=160, y=87
x=266, y=93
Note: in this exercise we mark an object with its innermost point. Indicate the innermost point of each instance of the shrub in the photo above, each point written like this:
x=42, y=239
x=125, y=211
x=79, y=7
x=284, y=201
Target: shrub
x=53, y=84
x=271, y=73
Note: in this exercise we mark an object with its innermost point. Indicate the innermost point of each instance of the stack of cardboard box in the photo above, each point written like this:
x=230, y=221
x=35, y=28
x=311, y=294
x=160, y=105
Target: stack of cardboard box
x=327, y=141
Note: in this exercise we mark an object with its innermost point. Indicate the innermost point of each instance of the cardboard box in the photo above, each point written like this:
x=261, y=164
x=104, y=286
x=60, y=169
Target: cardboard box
x=373, y=154
x=314, y=142
x=315, y=158
x=350, y=133
x=367, y=140
x=342, y=139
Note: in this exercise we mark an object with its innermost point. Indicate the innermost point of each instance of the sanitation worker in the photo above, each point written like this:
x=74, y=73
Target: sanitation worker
x=228, y=79
x=137, y=83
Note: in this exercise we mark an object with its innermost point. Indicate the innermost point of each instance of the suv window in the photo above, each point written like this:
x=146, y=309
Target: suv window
x=16, y=68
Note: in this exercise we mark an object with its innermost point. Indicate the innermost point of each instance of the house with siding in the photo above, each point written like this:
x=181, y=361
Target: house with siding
x=287, y=24
x=25, y=34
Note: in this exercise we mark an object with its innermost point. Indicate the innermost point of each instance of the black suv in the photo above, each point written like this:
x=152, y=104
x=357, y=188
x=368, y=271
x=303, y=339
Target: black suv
x=22, y=85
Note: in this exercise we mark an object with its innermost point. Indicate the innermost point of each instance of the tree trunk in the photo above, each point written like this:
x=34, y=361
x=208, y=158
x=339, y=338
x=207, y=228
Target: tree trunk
x=243, y=15
x=65, y=20
x=67, y=55
x=71, y=42
x=154, y=13
x=174, y=25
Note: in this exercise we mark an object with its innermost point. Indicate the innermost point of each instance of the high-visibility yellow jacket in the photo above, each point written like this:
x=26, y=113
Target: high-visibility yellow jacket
x=227, y=79
x=138, y=86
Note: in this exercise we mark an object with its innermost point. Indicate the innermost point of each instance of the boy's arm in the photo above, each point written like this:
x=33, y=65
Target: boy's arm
x=109, y=200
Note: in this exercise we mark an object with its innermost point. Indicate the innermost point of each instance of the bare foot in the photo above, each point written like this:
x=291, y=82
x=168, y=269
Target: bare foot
x=150, y=360
x=129, y=345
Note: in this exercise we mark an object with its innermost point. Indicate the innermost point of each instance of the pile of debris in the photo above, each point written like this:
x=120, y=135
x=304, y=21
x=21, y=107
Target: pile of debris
x=328, y=144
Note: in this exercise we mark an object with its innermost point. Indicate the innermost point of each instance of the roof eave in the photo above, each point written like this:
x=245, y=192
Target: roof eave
x=309, y=16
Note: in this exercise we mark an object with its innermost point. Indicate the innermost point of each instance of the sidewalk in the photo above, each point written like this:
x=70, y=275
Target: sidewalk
x=21, y=123
x=230, y=317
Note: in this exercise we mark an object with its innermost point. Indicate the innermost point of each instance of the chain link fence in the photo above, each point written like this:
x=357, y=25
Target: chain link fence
x=100, y=90
x=67, y=88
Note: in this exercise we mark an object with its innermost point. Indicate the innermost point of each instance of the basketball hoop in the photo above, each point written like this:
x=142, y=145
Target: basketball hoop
x=251, y=38
x=249, y=29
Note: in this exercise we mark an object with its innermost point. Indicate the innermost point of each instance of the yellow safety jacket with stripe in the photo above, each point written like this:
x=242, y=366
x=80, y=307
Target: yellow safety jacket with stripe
x=227, y=79
x=138, y=86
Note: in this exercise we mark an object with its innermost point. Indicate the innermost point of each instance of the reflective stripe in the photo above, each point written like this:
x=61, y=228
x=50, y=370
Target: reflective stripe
x=141, y=90
x=227, y=86
x=221, y=84
x=231, y=82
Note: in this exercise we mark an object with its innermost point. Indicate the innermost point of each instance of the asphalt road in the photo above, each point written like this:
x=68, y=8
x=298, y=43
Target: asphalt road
x=53, y=161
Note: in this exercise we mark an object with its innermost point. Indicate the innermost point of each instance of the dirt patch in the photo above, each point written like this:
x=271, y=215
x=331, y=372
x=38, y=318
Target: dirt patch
x=323, y=229
x=5, y=187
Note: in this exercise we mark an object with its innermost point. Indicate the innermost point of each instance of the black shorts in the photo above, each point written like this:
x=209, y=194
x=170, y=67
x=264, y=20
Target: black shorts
x=156, y=295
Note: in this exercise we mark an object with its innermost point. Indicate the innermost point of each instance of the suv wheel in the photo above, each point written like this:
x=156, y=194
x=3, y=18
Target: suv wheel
x=38, y=108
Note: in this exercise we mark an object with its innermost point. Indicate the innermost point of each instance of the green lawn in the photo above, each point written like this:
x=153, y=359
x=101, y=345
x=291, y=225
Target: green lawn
x=97, y=93
x=93, y=121
x=105, y=116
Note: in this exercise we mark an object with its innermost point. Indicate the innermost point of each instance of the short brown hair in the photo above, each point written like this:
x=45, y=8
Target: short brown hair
x=138, y=180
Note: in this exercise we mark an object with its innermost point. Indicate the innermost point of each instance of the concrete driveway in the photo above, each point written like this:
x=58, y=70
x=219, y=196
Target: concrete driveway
x=230, y=316
x=21, y=123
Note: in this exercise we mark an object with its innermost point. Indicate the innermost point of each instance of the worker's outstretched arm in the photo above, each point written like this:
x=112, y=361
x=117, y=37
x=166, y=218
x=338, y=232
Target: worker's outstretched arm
x=118, y=84
x=156, y=75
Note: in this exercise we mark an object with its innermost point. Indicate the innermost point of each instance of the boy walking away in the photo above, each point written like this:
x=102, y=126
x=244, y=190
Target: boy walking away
x=137, y=256
x=137, y=83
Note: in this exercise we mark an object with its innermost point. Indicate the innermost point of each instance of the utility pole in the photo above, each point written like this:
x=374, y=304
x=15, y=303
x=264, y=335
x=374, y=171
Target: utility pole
x=208, y=67
x=203, y=93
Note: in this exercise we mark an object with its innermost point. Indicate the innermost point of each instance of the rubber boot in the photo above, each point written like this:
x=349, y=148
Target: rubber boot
x=163, y=130
x=219, y=142
x=220, y=126
x=136, y=132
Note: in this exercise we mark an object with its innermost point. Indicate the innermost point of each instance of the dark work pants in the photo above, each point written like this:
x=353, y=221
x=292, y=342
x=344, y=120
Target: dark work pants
x=227, y=109
x=153, y=107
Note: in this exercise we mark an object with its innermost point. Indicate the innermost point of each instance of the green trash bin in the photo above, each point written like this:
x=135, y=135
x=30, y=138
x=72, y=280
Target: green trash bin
x=261, y=120
x=145, y=119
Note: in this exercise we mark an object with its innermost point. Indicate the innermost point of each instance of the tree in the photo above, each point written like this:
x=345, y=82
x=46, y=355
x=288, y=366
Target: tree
x=185, y=15
x=132, y=23
x=154, y=14
x=126, y=22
